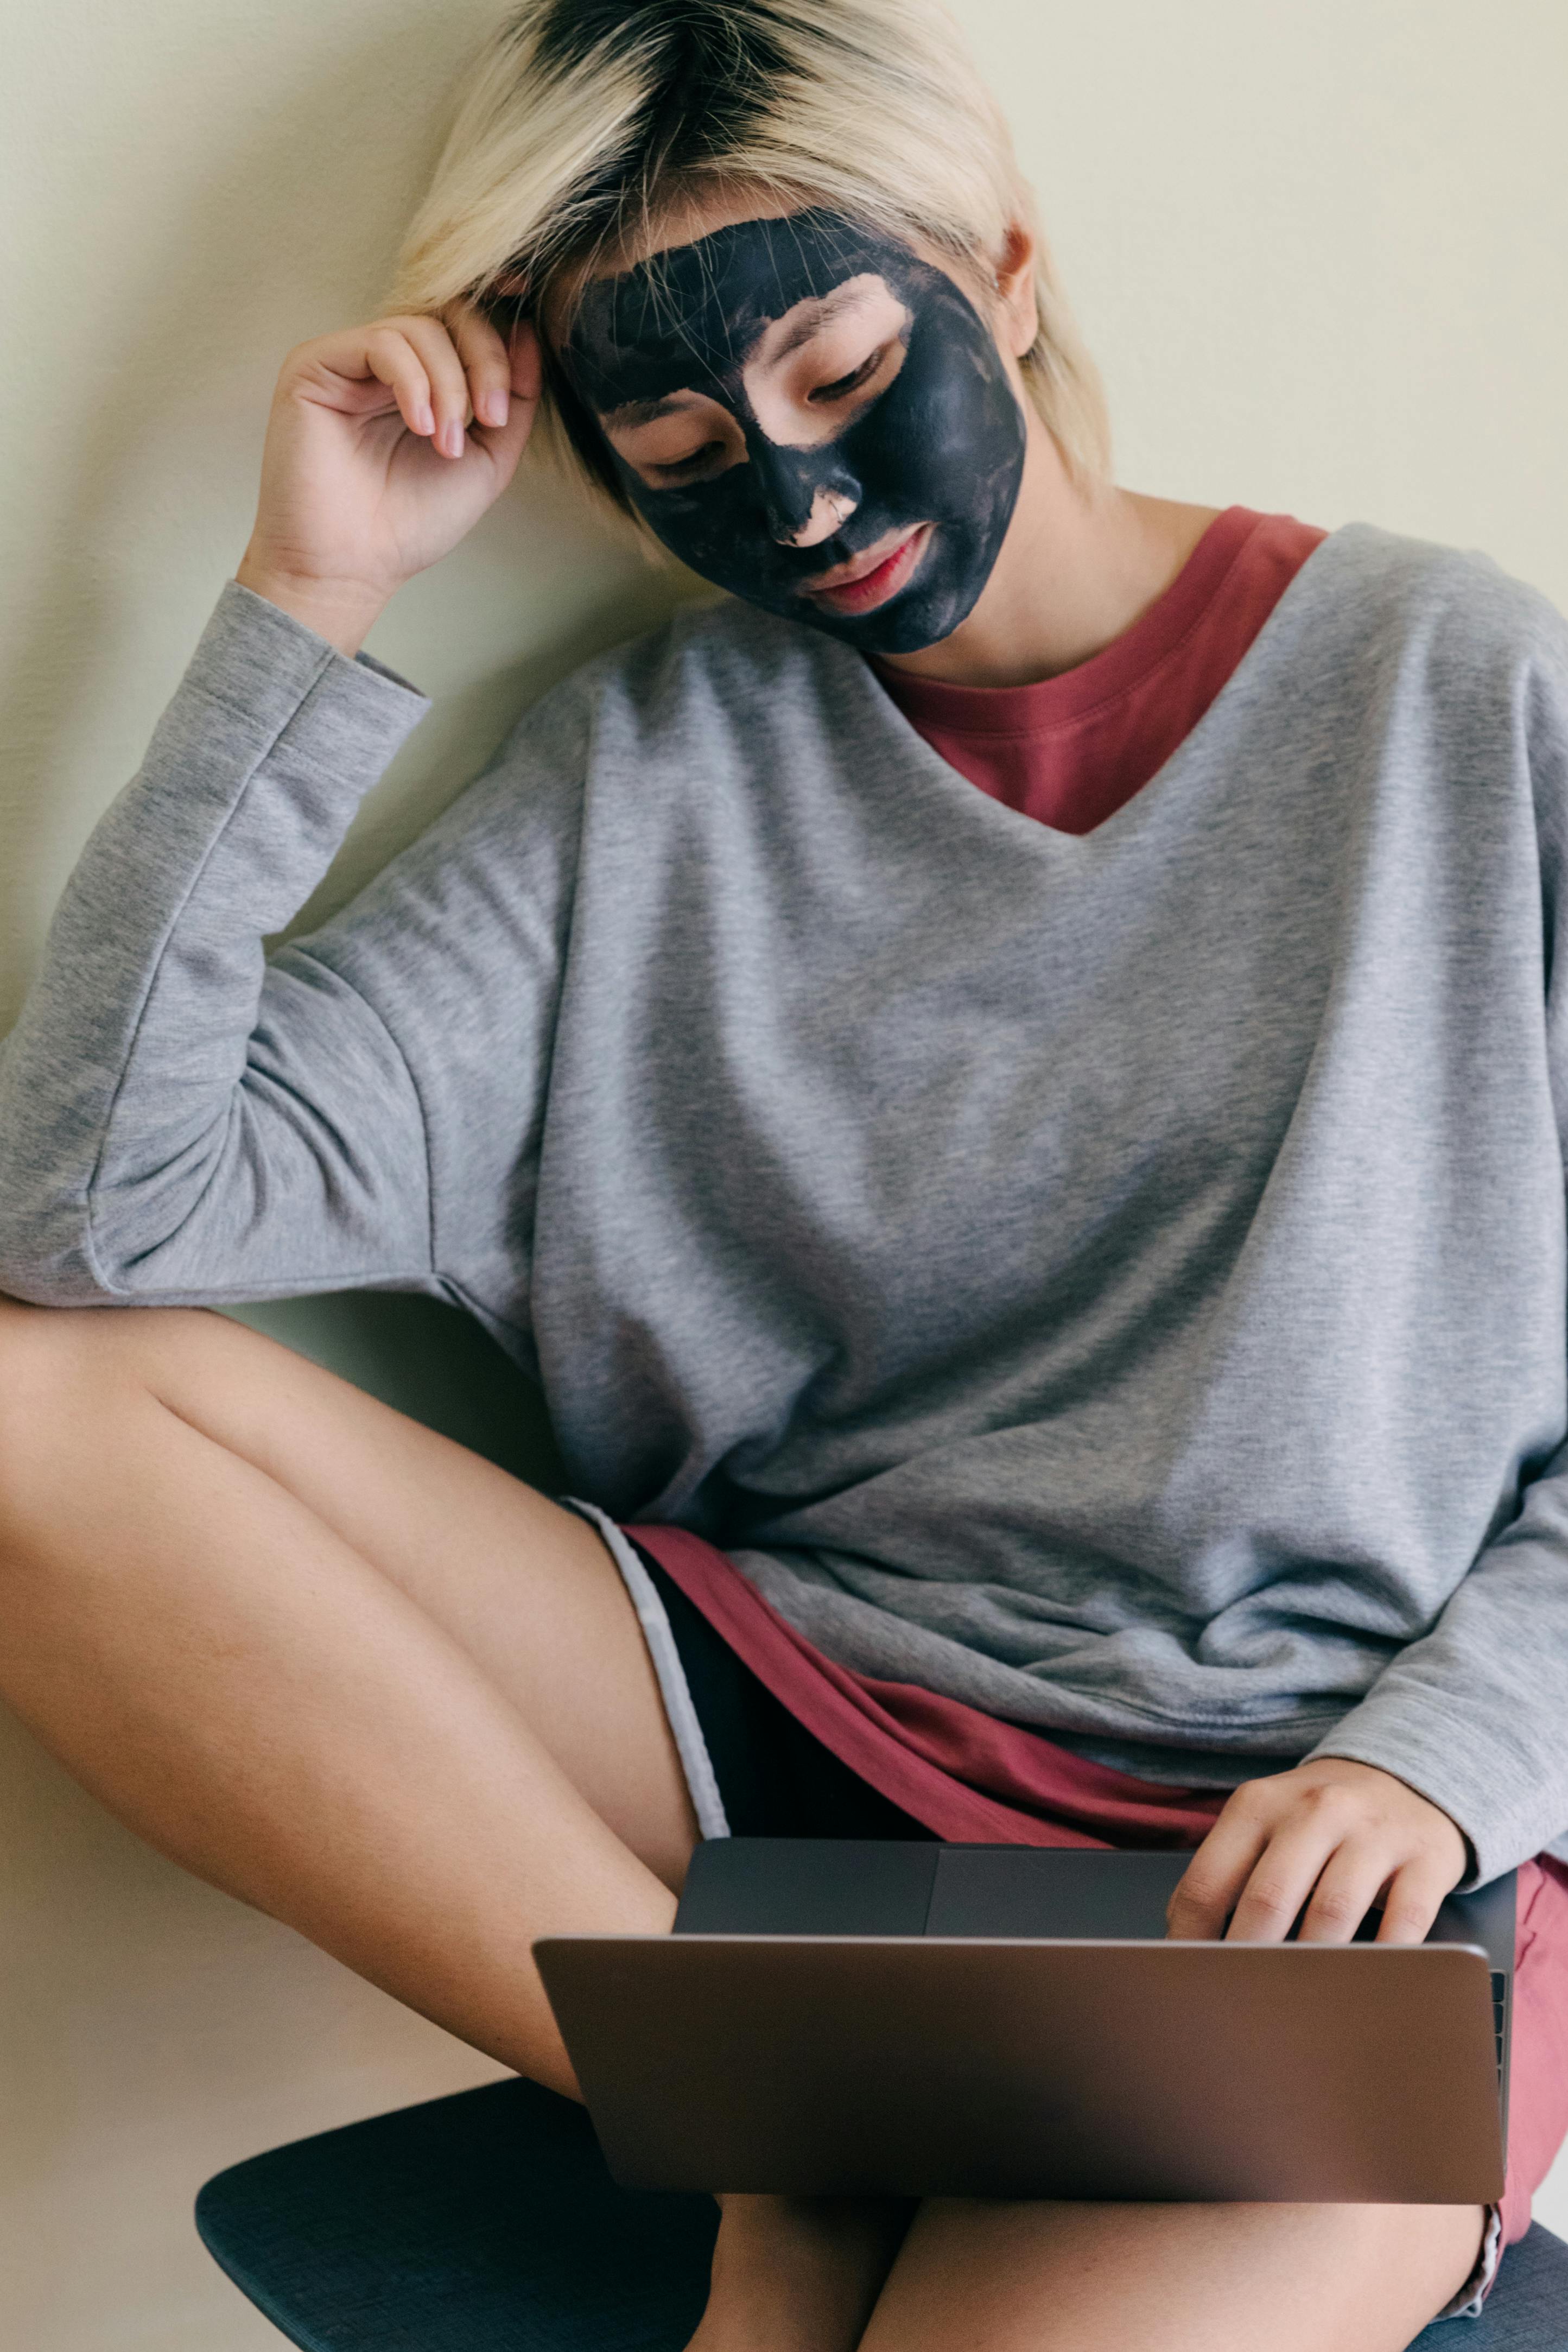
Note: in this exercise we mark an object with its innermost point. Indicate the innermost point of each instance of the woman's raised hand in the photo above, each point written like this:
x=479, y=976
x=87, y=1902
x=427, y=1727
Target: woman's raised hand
x=384, y=447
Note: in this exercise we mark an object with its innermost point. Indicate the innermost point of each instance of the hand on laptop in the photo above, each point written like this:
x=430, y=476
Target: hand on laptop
x=1343, y=1835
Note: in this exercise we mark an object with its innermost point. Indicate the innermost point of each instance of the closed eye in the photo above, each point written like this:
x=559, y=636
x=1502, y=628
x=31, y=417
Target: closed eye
x=680, y=469
x=682, y=437
x=845, y=384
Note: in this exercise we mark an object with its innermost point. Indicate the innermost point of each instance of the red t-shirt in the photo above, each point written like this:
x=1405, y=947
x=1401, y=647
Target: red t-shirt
x=1074, y=750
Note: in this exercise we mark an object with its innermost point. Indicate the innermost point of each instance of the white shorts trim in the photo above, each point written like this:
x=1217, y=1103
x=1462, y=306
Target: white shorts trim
x=1468, y=2302
x=702, y=1784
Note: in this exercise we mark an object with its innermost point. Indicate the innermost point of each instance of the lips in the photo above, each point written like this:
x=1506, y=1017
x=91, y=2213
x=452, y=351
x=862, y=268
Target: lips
x=872, y=579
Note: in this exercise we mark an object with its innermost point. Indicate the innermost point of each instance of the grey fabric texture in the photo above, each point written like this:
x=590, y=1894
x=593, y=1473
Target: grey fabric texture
x=1118, y=1281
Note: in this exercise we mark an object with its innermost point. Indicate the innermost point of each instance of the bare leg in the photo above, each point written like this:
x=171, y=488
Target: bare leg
x=330, y=1661
x=799, y=2273
x=361, y=1679
x=1186, y=2278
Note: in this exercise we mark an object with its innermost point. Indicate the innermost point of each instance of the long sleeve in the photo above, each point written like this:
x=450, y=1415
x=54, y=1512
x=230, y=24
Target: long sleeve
x=1474, y=1716
x=178, y=1121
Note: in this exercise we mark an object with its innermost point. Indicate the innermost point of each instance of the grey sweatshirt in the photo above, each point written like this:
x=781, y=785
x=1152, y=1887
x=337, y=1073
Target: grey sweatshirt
x=1116, y=1281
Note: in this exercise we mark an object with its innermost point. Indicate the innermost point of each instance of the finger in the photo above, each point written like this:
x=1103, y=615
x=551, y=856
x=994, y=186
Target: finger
x=504, y=444
x=528, y=362
x=392, y=359
x=448, y=380
x=1414, y=1896
x=1206, y=1894
x=1282, y=1878
x=1350, y=1884
x=486, y=360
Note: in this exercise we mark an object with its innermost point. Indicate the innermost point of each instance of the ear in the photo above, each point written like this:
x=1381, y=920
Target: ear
x=1019, y=322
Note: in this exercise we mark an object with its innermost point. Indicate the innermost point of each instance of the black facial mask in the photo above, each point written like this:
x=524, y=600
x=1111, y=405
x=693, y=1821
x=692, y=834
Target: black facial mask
x=942, y=443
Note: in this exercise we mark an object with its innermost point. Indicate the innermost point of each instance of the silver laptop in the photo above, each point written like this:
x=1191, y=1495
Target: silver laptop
x=832, y=2017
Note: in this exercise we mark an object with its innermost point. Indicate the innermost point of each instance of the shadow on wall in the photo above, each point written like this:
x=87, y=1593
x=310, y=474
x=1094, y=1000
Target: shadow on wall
x=272, y=218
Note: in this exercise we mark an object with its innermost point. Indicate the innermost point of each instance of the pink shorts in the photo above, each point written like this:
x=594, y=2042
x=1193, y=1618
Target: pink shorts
x=1537, y=2073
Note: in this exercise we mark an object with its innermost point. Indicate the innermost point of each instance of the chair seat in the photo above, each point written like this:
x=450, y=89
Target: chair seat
x=476, y=2221
x=488, y=2220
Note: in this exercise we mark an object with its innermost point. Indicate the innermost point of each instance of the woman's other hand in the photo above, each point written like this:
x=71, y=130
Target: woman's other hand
x=1344, y=1834
x=384, y=447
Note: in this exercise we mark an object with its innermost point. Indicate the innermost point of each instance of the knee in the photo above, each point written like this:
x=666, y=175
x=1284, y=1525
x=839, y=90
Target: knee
x=59, y=1369
x=35, y=1344
x=40, y=1337
x=35, y=1409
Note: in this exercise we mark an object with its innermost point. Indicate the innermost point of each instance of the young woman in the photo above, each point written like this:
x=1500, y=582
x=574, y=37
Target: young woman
x=1008, y=1078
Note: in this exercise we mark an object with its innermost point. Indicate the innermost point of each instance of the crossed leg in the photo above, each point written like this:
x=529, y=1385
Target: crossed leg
x=351, y=1672
x=330, y=1661
x=1172, y=2278
x=952, y=2275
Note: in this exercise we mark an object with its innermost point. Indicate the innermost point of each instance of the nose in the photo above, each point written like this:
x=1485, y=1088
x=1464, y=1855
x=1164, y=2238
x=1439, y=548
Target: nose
x=830, y=510
x=804, y=503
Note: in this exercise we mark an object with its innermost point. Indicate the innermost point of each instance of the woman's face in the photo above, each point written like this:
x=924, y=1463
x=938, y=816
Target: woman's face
x=812, y=416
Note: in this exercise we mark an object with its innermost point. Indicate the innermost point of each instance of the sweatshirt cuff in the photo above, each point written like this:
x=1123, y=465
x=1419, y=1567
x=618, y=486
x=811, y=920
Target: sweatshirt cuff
x=1497, y=1799
x=271, y=674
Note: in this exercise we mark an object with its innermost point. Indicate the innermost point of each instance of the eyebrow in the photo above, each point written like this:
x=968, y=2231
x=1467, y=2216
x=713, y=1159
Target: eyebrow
x=632, y=413
x=816, y=314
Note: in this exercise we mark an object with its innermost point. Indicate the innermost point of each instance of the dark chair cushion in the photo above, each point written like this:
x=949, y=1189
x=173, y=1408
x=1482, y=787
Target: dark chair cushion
x=478, y=2221
x=488, y=2220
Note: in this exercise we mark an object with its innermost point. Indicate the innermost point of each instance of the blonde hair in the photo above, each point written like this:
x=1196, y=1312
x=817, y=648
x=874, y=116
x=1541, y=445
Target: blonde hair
x=583, y=121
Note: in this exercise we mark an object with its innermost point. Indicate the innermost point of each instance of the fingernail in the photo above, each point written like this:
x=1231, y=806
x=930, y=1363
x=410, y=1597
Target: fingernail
x=424, y=417
x=453, y=439
x=494, y=405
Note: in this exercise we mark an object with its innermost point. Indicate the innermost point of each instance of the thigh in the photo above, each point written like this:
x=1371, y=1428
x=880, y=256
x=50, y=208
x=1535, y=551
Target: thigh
x=1172, y=2278
x=527, y=1589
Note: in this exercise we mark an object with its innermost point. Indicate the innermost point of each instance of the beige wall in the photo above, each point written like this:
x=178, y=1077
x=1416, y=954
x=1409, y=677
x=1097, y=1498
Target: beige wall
x=1319, y=248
